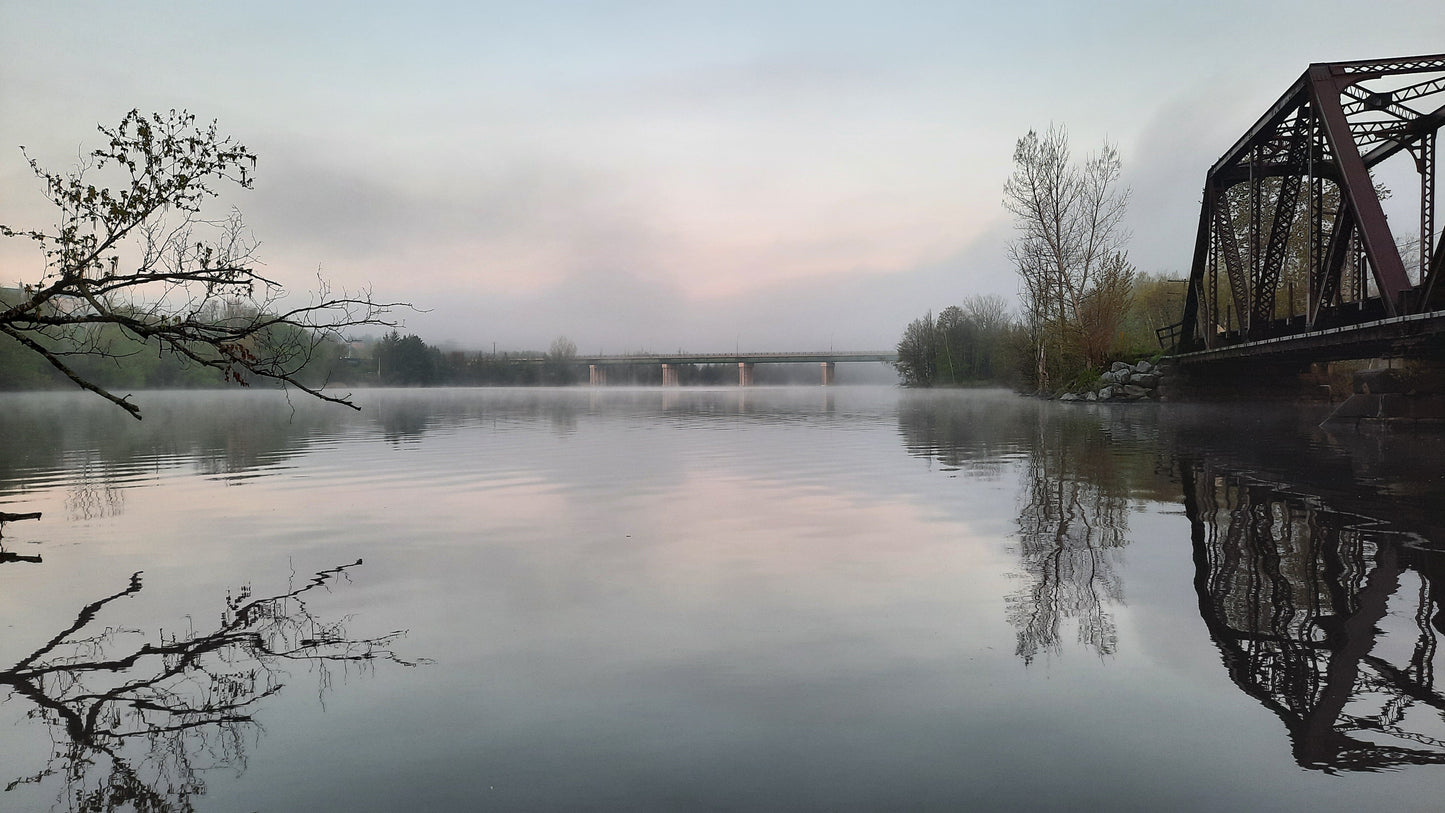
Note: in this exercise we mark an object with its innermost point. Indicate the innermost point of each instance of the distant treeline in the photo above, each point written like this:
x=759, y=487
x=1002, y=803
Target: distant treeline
x=982, y=342
x=113, y=357
x=408, y=361
x=393, y=360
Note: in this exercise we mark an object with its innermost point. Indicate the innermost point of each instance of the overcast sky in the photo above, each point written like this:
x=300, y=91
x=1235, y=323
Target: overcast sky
x=668, y=175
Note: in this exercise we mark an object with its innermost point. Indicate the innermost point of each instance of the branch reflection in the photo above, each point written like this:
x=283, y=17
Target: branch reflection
x=10, y=556
x=136, y=721
x=1072, y=528
x=1328, y=619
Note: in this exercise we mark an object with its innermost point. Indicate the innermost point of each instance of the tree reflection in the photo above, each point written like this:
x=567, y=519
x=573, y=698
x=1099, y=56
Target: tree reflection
x=1072, y=528
x=979, y=434
x=137, y=721
x=1329, y=620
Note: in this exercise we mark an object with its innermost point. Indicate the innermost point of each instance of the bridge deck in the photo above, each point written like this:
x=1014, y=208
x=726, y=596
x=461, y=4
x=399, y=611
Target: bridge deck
x=1382, y=337
x=737, y=358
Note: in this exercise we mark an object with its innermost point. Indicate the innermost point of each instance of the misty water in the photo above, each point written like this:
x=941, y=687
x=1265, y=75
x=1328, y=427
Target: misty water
x=772, y=598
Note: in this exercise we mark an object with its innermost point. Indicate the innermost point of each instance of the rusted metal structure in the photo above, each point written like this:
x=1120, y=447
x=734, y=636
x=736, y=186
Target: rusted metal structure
x=1293, y=237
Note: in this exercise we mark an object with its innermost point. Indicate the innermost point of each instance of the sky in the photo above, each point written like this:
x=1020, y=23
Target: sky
x=667, y=175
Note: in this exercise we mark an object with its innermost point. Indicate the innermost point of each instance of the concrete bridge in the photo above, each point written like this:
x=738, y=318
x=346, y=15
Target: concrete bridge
x=826, y=360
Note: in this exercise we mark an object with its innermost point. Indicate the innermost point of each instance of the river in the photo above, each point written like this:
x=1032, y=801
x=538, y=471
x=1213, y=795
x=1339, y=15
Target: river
x=852, y=598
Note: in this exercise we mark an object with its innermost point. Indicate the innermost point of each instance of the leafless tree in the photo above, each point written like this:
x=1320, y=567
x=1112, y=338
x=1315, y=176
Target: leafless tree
x=1069, y=250
x=136, y=262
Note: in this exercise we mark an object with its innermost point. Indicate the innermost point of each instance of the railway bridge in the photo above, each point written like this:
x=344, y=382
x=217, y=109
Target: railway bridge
x=1295, y=260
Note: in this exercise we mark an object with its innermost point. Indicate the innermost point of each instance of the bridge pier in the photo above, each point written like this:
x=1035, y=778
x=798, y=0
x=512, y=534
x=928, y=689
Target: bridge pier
x=596, y=375
x=669, y=375
x=830, y=370
x=745, y=374
x=1404, y=394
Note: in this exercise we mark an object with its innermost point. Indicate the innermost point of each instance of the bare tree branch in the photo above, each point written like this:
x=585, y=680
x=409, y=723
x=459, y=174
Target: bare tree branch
x=192, y=288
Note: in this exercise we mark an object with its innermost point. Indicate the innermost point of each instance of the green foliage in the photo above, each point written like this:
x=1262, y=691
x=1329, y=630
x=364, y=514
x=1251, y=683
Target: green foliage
x=406, y=362
x=917, y=363
x=139, y=288
x=1158, y=301
x=966, y=344
x=981, y=342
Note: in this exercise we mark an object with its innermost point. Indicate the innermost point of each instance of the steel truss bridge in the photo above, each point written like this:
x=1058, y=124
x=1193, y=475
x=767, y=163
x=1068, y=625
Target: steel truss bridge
x=1294, y=255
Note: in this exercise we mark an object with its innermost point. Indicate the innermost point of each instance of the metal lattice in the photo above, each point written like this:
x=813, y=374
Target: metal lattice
x=1293, y=200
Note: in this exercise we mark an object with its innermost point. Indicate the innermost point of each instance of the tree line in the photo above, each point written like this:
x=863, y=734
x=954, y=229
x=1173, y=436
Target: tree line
x=1083, y=304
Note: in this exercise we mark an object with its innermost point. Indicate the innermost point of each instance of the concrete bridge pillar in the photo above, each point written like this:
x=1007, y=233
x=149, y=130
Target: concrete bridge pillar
x=669, y=375
x=596, y=375
x=830, y=369
x=745, y=374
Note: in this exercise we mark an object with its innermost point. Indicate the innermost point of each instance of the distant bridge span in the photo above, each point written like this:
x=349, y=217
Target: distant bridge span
x=827, y=361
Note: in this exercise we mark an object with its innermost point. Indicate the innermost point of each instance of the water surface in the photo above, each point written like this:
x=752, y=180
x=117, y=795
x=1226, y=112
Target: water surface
x=852, y=598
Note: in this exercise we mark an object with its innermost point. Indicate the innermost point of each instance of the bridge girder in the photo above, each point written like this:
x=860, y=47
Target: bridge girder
x=1293, y=203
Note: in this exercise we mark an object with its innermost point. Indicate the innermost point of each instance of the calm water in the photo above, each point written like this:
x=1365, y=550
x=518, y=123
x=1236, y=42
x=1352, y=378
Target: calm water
x=738, y=600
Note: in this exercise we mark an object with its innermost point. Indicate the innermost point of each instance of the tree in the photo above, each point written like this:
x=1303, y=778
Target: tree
x=561, y=361
x=1069, y=251
x=918, y=353
x=139, y=261
x=1157, y=302
x=408, y=362
x=964, y=345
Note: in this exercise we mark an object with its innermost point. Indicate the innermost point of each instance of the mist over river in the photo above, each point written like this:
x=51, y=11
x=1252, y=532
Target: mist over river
x=771, y=598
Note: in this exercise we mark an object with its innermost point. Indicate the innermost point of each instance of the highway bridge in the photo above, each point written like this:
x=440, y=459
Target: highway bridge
x=827, y=360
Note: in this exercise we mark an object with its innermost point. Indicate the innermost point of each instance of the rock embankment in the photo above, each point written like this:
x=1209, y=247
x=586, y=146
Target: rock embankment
x=1123, y=382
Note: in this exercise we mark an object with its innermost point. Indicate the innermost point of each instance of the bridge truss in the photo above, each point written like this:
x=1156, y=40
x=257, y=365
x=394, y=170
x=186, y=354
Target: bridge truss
x=1293, y=236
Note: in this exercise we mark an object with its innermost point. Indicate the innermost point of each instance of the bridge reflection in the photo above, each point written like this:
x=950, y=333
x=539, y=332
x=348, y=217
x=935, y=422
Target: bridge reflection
x=1322, y=611
x=1330, y=620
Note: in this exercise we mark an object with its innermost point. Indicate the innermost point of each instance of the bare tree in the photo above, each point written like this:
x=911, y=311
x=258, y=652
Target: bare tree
x=1069, y=251
x=138, y=261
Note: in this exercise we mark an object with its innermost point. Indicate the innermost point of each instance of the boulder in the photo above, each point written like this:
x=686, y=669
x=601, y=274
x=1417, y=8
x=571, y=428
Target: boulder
x=1105, y=393
x=1150, y=380
x=1143, y=367
x=1117, y=366
x=1091, y=396
x=1068, y=396
x=1134, y=392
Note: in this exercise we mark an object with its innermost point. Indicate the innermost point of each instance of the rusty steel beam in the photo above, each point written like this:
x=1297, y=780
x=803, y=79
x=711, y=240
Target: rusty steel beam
x=1432, y=274
x=1379, y=243
x=1285, y=207
x=1425, y=164
x=1327, y=273
x=1233, y=263
x=1194, y=314
x=1428, y=123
